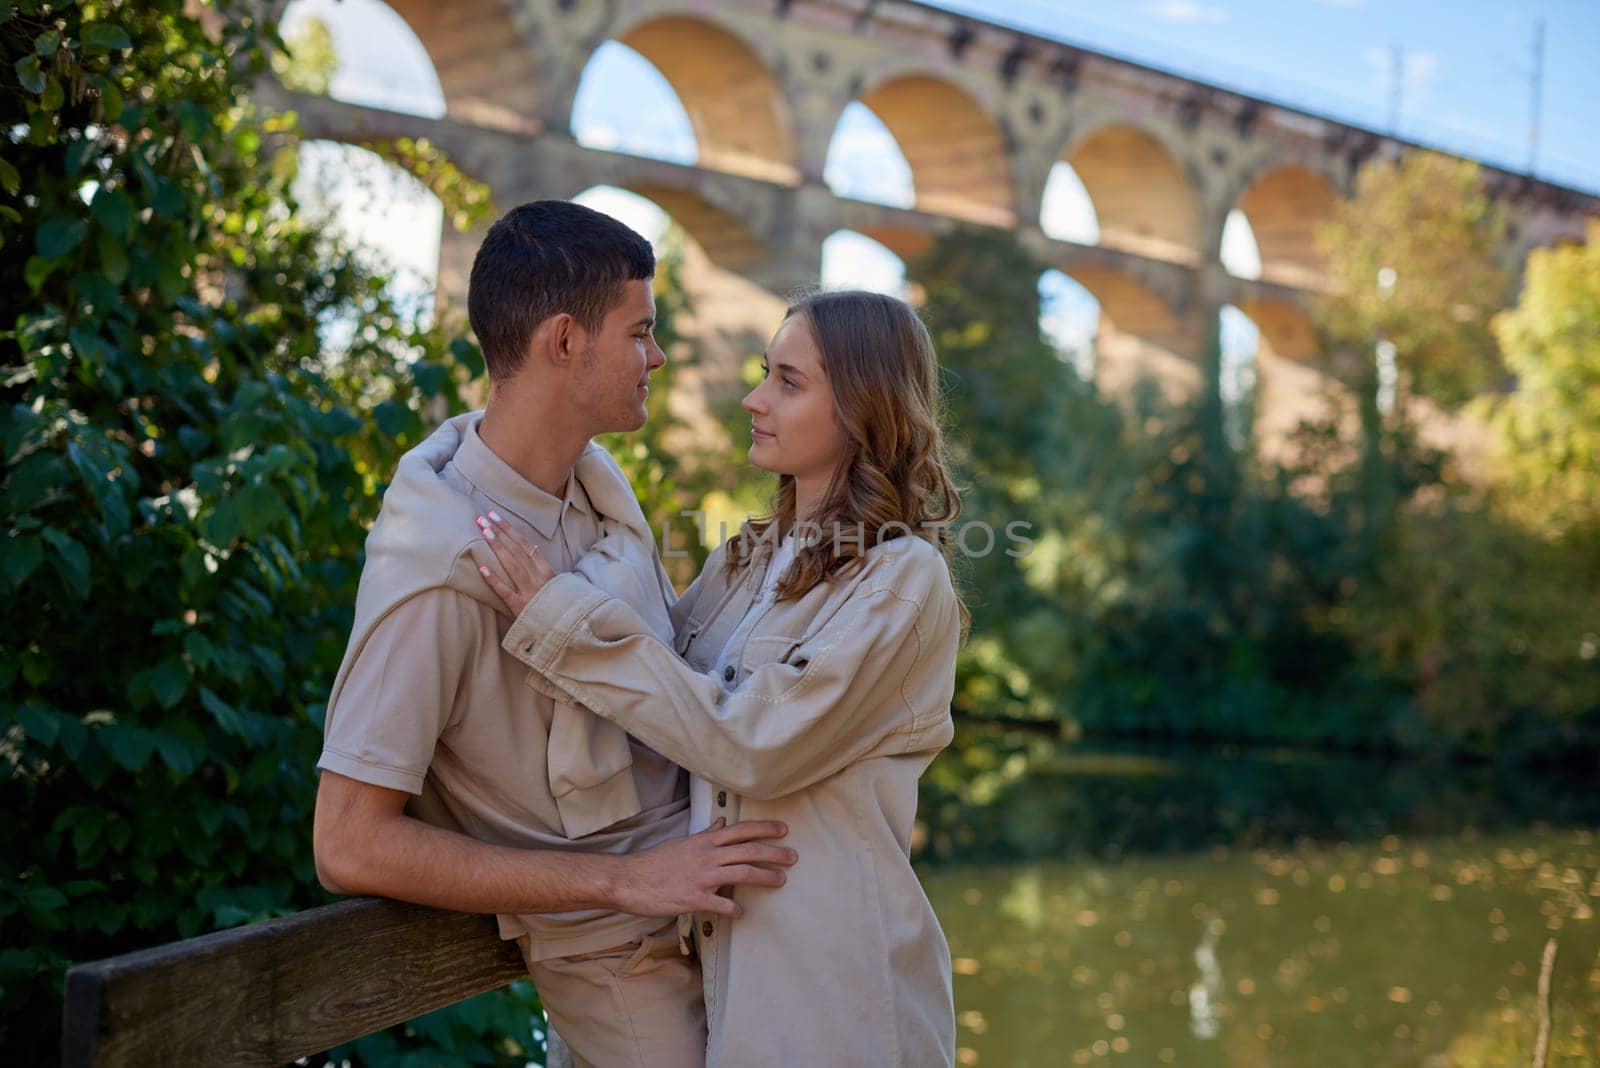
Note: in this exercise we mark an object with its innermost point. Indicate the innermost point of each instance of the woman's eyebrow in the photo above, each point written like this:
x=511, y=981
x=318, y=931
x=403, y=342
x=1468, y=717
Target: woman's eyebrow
x=791, y=369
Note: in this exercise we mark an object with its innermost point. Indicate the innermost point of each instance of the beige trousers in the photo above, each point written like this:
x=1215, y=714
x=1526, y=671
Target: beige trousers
x=639, y=1005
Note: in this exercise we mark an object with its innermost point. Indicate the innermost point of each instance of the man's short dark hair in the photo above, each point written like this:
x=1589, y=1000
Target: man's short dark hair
x=542, y=259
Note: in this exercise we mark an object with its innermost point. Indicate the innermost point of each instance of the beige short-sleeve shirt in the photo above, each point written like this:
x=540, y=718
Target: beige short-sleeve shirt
x=434, y=707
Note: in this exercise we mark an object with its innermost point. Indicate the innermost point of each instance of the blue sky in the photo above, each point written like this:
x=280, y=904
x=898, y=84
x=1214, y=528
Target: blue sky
x=1466, y=68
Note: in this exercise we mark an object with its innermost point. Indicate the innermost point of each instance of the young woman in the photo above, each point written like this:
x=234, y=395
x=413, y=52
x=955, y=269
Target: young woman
x=810, y=683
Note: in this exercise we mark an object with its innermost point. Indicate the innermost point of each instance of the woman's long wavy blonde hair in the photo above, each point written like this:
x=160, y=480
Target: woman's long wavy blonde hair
x=894, y=479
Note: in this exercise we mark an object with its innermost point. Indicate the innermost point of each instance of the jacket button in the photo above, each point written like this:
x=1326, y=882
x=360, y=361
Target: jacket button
x=722, y=799
x=705, y=928
x=727, y=673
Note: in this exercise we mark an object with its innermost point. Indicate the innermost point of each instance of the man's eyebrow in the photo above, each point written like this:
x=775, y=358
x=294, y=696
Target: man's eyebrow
x=648, y=320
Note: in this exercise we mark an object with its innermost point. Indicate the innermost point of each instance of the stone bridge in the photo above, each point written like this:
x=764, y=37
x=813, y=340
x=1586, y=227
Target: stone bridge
x=981, y=112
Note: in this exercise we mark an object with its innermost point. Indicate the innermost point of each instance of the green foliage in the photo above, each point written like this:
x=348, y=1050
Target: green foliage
x=1177, y=586
x=1549, y=427
x=1428, y=219
x=189, y=476
x=307, y=61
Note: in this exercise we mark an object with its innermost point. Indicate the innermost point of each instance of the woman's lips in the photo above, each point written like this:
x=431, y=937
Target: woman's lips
x=759, y=433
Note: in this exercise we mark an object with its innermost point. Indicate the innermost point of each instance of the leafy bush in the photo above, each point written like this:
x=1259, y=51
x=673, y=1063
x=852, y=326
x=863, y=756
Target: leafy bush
x=189, y=477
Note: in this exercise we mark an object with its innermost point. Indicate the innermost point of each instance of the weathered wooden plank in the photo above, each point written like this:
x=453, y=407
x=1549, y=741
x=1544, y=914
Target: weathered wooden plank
x=270, y=992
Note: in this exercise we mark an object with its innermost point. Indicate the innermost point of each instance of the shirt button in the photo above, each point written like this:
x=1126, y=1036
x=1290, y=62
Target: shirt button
x=705, y=928
x=727, y=673
x=722, y=799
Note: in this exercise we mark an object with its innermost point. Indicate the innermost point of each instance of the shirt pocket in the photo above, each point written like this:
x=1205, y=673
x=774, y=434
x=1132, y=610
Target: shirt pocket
x=686, y=635
x=774, y=649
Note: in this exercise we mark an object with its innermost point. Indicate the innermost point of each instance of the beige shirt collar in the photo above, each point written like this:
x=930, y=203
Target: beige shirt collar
x=479, y=464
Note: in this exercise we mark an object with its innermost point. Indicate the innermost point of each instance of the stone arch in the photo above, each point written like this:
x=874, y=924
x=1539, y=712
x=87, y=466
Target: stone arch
x=1125, y=302
x=958, y=155
x=728, y=242
x=486, y=66
x=1069, y=319
x=1138, y=337
x=1286, y=330
x=880, y=277
x=1142, y=196
x=737, y=108
x=1285, y=205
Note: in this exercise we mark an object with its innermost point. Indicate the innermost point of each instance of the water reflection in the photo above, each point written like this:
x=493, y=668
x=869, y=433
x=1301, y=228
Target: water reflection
x=1162, y=907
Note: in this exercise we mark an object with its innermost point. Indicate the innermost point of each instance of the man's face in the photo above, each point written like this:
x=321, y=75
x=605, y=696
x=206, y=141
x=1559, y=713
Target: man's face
x=612, y=376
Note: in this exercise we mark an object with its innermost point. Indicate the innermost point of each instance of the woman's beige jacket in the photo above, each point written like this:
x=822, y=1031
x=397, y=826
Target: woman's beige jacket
x=826, y=717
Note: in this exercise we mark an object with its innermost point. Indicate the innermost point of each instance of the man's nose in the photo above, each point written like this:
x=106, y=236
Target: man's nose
x=657, y=358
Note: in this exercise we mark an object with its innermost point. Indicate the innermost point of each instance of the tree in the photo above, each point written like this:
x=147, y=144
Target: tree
x=1549, y=427
x=1412, y=259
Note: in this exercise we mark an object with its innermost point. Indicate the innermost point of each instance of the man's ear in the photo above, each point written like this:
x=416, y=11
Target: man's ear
x=556, y=340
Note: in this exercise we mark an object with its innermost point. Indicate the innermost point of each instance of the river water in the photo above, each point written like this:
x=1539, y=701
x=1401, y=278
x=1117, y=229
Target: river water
x=1141, y=906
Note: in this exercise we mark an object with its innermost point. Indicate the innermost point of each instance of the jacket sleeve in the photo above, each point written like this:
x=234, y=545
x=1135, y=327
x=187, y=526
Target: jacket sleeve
x=872, y=681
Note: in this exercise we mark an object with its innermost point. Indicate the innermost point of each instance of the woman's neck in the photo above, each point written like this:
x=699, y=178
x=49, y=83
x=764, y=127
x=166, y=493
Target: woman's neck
x=808, y=494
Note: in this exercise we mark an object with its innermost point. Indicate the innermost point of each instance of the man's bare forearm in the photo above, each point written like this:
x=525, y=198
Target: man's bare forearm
x=406, y=859
x=365, y=843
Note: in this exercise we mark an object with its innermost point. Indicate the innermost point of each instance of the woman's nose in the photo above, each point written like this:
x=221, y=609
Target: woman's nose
x=751, y=403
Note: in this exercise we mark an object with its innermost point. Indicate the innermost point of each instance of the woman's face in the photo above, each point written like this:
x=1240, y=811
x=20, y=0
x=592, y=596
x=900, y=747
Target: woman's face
x=792, y=423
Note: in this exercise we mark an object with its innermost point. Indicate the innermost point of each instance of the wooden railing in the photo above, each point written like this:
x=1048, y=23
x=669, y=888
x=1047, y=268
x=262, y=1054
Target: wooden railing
x=271, y=992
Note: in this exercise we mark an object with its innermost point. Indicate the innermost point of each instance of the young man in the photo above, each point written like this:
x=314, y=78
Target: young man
x=446, y=779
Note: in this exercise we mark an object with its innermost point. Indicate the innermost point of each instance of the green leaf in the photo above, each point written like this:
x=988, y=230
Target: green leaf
x=74, y=560
x=99, y=38
x=9, y=178
x=58, y=236
x=53, y=96
x=111, y=103
x=129, y=745
x=44, y=897
x=39, y=723
x=46, y=43
x=393, y=418
x=468, y=354
x=37, y=270
x=29, y=74
x=114, y=209
x=20, y=554
x=78, y=153
x=167, y=199
x=181, y=745
x=199, y=648
x=226, y=715
x=431, y=378
x=169, y=681
x=113, y=257
x=210, y=818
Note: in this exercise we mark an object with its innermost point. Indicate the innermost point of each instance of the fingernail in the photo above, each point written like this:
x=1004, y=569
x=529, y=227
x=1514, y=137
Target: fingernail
x=487, y=533
x=482, y=522
x=496, y=517
x=483, y=571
